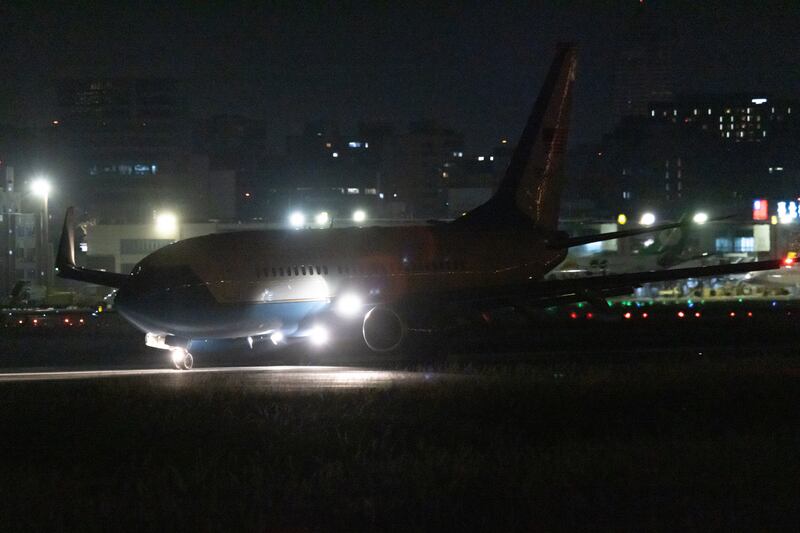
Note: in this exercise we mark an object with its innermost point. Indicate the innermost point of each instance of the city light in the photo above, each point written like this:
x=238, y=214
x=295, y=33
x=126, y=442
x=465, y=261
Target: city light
x=322, y=219
x=622, y=219
x=700, y=218
x=648, y=219
x=297, y=220
x=359, y=215
x=40, y=187
x=166, y=224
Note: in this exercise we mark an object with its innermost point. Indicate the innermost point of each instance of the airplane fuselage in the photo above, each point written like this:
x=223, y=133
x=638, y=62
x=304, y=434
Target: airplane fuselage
x=251, y=283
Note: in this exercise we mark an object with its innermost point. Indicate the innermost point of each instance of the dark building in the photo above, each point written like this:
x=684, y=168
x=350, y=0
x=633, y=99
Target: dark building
x=121, y=149
x=711, y=151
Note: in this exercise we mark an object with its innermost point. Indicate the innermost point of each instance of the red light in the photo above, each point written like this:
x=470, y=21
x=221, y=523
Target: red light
x=697, y=315
x=590, y=315
x=732, y=314
x=681, y=314
x=573, y=315
x=645, y=315
x=750, y=313
x=627, y=315
x=789, y=261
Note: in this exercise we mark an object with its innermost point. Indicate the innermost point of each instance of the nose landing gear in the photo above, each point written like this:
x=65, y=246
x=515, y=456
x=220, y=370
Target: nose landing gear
x=178, y=349
x=182, y=359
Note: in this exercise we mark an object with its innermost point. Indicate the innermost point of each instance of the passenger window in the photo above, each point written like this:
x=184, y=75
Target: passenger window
x=288, y=271
x=295, y=271
x=303, y=269
x=325, y=270
x=266, y=272
x=273, y=272
x=319, y=270
x=281, y=271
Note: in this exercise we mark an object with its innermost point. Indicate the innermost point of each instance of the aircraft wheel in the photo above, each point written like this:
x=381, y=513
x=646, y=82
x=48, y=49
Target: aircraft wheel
x=188, y=361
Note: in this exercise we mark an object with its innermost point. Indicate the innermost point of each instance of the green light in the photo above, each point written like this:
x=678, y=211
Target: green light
x=580, y=305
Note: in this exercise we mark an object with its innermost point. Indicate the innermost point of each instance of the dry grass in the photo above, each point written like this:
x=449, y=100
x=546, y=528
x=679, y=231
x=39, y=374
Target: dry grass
x=652, y=444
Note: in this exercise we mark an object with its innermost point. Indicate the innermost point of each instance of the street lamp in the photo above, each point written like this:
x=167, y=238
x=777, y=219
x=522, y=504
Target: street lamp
x=41, y=187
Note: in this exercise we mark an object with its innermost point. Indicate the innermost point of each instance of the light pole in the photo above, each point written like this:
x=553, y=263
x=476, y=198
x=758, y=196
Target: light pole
x=41, y=187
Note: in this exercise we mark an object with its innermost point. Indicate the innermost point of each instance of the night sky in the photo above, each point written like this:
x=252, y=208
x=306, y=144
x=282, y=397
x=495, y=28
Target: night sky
x=476, y=69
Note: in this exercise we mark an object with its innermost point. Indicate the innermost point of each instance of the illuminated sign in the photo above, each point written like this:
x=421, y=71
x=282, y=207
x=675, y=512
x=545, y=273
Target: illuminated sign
x=760, y=209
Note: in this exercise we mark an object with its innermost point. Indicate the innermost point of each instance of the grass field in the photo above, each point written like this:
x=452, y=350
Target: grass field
x=657, y=444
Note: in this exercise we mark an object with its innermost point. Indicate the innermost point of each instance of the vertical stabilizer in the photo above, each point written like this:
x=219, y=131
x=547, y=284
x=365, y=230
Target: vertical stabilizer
x=531, y=188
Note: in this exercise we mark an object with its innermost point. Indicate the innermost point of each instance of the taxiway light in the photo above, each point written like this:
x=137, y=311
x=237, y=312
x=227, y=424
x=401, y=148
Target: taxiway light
x=297, y=220
x=276, y=337
x=322, y=218
x=318, y=335
x=349, y=304
x=622, y=219
x=589, y=316
x=573, y=315
x=700, y=218
x=648, y=219
x=359, y=215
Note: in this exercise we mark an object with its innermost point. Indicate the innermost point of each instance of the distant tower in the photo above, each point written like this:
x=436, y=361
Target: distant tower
x=643, y=71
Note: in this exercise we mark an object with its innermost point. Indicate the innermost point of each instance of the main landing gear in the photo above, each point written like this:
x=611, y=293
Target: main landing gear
x=178, y=349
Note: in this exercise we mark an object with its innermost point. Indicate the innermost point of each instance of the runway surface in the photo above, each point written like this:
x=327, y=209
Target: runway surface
x=294, y=378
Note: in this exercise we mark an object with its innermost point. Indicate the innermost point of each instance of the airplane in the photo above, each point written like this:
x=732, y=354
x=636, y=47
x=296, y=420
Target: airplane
x=299, y=284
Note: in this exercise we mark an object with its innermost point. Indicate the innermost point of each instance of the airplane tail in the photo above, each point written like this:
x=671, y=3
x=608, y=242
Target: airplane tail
x=530, y=192
x=65, y=261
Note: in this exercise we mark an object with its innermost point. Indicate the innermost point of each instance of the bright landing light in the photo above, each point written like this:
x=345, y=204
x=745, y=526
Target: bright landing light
x=648, y=219
x=348, y=304
x=359, y=215
x=700, y=218
x=297, y=220
x=318, y=335
x=177, y=355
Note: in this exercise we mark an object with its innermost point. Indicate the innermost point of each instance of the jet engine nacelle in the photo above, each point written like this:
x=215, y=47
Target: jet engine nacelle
x=383, y=329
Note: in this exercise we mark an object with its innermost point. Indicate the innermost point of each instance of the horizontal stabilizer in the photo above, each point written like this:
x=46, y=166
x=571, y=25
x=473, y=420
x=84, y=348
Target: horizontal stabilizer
x=65, y=261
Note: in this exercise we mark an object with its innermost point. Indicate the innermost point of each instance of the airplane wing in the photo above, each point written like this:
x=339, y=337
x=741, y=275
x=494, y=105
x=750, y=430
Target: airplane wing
x=569, y=242
x=553, y=292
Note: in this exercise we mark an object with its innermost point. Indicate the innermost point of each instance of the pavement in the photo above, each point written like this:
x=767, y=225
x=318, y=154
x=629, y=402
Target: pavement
x=285, y=378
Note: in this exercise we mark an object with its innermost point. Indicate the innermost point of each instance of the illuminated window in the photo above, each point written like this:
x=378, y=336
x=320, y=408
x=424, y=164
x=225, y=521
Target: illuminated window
x=652, y=112
x=744, y=244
